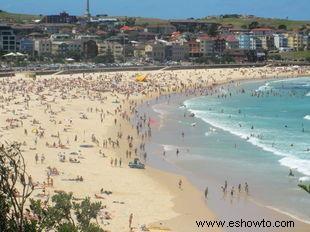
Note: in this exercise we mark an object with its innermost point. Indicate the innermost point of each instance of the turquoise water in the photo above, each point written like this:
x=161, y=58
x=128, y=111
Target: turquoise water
x=254, y=132
x=274, y=116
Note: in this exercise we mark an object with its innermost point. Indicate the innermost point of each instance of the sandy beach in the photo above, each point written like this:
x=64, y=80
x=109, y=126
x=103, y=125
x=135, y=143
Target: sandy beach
x=79, y=132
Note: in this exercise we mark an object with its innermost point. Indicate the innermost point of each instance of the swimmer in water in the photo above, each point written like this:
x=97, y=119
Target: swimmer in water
x=291, y=173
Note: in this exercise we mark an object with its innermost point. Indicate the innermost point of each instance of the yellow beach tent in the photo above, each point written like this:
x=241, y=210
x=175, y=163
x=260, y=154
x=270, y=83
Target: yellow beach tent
x=140, y=78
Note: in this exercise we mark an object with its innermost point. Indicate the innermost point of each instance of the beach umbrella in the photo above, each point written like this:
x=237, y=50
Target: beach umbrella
x=10, y=54
x=69, y=59
x=19, y=54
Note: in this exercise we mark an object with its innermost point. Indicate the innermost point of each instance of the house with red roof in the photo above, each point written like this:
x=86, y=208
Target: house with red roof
x=263, y=31
x=232, y=42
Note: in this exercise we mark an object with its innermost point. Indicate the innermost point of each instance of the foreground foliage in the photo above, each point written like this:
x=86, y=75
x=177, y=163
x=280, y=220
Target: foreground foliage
x=19, y=213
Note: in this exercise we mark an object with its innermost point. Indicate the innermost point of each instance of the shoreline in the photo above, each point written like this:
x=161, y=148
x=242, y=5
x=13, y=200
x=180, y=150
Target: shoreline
x=132, y=186
x=272, y=213
x=276, y=213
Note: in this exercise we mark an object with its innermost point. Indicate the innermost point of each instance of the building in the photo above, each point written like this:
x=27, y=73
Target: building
x=161, y=29
x=176, y=52
x=280, y=41
x=139, y=52
x=211, y=45
x=42, y=47
x=262, y=32
x=255, y=43
x=26, y=45
x=267, y=42
x=155, y=51
x=219, y=45
x=231, y=42
x=239, y=55
x=90, y=49
x=63, y=48
x=245, y=41
x=295, y=41
x=194, y=49
x=145, y=36
x=306, y=42
x=60, y=37
x=7, y=39
x=116, y=49
x=63, y=17
x=206, y=45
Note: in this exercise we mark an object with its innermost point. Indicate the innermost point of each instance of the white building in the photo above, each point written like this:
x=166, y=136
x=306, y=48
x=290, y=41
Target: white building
x=65, y=47
x=280, y=41
x=116, y=49
x=42, y=46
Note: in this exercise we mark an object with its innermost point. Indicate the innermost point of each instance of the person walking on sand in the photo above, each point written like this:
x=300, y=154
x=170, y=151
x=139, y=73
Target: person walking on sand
x=239, y=188
x=232, y=191
x=36, y=158
x=180, y=184
x=130, y=221
x=246, y=188
x=206, y=193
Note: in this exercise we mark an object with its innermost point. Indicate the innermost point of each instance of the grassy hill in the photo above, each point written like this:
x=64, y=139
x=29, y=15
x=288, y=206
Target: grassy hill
x=17, y=18
x=238, y=22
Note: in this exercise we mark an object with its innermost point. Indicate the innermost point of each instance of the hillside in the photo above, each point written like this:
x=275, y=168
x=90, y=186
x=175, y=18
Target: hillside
x=239, y=21
x=17, y=18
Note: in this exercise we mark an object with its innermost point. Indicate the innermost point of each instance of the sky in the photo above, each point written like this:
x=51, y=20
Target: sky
x=167, y=9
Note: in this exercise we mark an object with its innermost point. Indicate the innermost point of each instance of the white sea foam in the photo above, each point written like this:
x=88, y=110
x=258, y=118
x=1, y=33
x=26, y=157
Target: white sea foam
x=290, y=160
x=304, y=179
x=160, y=111
x=265, y=87
x=307, y=117
x=308, y=94
x=168, y=147
x=301, y=165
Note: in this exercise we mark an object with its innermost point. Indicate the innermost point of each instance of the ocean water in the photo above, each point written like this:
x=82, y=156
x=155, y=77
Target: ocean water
x=273, y=116
x=253, y=132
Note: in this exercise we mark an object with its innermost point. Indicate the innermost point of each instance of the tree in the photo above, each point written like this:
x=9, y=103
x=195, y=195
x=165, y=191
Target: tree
x=282, y=27
x=212, y=30
x=60, y=215
x=276, y=57
x=226, y=58
x=130, y=21
x=85, y=211
x=244, y=26
x=253, y=25
x=63, y=215
x=15, y=188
